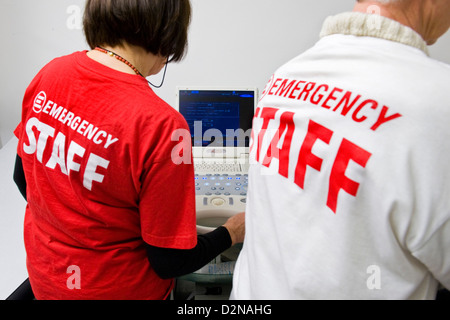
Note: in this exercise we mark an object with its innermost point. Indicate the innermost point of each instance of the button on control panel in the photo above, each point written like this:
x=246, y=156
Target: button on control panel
x=221, y=185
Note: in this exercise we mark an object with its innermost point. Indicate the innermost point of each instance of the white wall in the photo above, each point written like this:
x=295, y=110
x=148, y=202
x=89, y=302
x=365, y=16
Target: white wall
x=232, y=42
x=12, y=209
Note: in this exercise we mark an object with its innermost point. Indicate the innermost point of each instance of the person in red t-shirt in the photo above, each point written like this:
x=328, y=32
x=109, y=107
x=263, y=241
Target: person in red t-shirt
x=109, y=214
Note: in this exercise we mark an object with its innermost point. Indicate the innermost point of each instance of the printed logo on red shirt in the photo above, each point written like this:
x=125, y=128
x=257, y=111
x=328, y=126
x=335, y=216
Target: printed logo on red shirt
x=39, y=102
x=54, y=148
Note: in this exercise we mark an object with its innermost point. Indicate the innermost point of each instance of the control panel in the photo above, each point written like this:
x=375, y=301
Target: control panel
x=218, y=197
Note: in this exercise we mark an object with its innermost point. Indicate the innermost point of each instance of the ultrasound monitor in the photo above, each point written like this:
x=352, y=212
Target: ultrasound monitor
x=218, y=117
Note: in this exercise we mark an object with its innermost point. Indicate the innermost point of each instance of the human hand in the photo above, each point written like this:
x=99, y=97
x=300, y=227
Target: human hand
x=236, y=228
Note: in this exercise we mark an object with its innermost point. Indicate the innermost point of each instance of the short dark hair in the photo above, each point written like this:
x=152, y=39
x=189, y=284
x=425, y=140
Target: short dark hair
x=158, y=26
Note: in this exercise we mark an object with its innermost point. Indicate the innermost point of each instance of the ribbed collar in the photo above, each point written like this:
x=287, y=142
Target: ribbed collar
x=370, y=25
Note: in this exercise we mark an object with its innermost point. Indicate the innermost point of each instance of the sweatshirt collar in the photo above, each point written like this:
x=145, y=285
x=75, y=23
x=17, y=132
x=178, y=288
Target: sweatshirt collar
x=370, y=25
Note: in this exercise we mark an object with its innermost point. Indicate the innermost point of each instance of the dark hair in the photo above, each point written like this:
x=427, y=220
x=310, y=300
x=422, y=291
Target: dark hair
x=158, y=26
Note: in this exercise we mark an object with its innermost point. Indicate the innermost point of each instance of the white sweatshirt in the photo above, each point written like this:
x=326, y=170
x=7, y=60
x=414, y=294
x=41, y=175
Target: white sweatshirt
x=349, y=186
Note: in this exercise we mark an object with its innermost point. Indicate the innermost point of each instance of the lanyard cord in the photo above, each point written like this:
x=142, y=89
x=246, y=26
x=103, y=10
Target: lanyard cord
x=115, y=55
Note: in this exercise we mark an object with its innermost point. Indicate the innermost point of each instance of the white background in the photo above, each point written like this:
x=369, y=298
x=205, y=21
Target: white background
x=232, y=43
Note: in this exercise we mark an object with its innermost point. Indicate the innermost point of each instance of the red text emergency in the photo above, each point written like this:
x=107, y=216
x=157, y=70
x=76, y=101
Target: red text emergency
x=268, y=144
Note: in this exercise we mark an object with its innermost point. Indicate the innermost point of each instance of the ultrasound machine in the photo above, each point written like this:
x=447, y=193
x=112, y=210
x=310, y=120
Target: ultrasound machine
x=220, y=123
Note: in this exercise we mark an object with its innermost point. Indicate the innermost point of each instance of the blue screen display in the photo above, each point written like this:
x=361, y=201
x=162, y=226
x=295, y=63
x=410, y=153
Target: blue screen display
x=218, y=117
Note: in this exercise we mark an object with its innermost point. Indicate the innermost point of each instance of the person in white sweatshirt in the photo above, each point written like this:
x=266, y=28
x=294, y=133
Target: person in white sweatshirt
x=349, y=186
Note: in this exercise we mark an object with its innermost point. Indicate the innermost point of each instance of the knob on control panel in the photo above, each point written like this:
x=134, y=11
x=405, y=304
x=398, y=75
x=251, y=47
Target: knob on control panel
x=217, y=202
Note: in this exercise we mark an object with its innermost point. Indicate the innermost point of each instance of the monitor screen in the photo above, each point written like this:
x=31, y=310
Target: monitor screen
x=218, y=117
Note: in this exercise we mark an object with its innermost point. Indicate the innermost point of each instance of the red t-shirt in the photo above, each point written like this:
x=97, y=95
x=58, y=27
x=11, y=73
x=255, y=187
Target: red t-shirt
x=96, y=146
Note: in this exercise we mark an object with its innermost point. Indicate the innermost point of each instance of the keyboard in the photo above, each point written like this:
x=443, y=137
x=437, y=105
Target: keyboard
x=217, y=167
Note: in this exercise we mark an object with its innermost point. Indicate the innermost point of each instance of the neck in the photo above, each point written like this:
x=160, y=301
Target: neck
x=146, y=63
x=409, y=13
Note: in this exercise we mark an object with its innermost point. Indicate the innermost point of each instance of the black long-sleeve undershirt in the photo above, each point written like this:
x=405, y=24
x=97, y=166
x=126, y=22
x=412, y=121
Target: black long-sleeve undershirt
x=19, y=177
x=172, y=263
x=167, y=263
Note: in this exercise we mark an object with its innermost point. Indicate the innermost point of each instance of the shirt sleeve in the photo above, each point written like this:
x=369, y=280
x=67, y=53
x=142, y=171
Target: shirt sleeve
x=167, y=206
x=167, y=195
x=436, y=255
